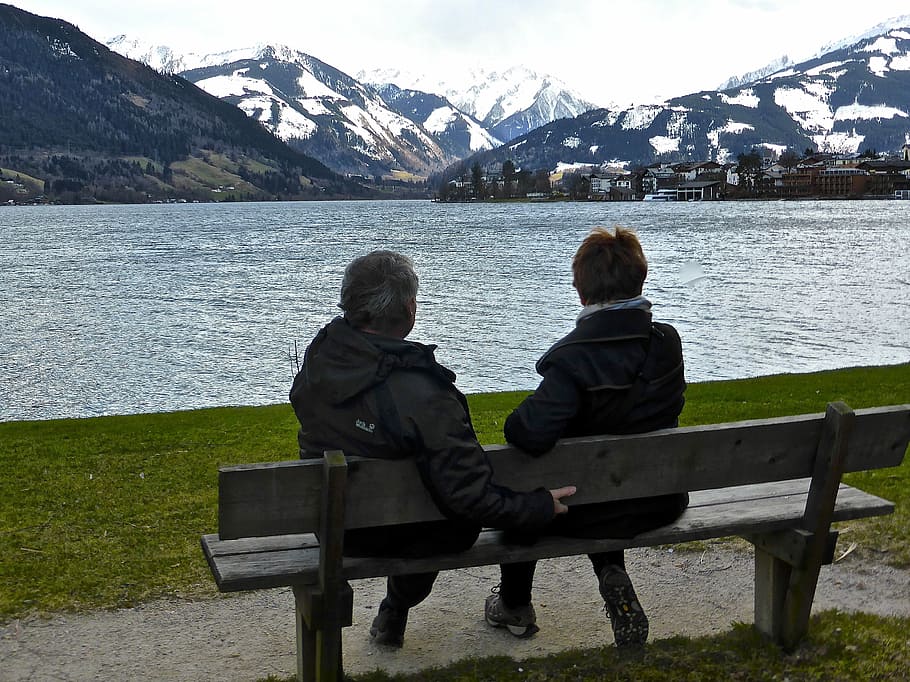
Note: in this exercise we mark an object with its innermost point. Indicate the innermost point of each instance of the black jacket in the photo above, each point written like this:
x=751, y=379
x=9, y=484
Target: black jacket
x=616, y=372
x=376, y=396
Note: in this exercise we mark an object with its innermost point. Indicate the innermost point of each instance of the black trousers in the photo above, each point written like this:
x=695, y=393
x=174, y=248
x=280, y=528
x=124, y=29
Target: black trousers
x=622, y=519
x=410, y=541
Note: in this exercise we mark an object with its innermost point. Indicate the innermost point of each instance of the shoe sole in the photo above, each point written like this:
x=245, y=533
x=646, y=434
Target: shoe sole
x=520, y=631
x=630, y=624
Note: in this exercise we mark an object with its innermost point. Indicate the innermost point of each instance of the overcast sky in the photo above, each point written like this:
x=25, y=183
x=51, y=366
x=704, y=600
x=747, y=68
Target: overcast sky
x=608, y=50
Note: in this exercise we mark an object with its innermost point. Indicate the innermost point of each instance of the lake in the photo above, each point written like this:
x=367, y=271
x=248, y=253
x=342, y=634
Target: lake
x=126, y=309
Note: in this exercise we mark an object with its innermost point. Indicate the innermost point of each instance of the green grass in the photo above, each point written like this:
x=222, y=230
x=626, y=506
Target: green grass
x=30, y=183
x=108, y=511
x=840, y=648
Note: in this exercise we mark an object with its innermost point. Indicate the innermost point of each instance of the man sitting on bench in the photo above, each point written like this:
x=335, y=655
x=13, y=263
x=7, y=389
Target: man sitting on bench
x=365, y=390
x=617, y=372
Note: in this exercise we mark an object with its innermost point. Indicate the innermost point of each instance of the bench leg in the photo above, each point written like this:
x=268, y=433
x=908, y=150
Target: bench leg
x=306, y=642
x=783, y=598
x=798, y=604
x=772, y=578
x=319, y=622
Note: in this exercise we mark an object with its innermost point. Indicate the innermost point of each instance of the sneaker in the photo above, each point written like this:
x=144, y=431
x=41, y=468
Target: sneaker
x=521, y=621
x=630, y=624
x=388, y=626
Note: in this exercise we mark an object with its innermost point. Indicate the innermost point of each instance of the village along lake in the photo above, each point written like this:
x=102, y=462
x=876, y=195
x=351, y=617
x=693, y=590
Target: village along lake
x=125, y=309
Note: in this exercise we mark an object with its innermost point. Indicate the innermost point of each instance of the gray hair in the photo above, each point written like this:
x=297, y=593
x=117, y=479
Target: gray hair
x=377, y=289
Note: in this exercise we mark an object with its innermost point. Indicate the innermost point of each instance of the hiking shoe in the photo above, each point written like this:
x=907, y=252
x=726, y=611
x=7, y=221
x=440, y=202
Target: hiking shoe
x=521, y=621
x=388, y=626
x=630, y=624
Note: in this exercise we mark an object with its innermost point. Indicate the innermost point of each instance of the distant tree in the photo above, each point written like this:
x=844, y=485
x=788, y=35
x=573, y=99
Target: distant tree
x=578, y=185
x=525, y=182
x=508, y=170
x=509, y=175
x=477, y=180
x=749, y=169
x=789, y=159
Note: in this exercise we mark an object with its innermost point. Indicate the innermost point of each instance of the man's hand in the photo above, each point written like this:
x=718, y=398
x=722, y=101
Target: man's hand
x=558, y=494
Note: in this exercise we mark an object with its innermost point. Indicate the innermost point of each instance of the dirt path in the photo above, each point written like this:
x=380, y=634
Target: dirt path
x=249, y=636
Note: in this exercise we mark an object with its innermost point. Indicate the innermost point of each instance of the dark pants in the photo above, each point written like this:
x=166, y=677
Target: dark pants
x=410, y=541
x=623, y=519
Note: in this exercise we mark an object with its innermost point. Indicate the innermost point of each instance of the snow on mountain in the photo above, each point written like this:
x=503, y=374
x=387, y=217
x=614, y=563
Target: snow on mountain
x=878, y=30
x=784, y=61
x=311, y=105
x=854, y=98
x=457, y=133
x=165, y=60
x=160, y=57
x=508, y=103
x=778, y=64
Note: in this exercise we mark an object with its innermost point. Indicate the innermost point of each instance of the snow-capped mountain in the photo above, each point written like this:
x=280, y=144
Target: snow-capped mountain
x=160, y=57
x=784, y=61
x=778, y=64
x=854, y=98
x=165, y=60
x=62, y=90
x=457, y=133
x=508, y=103
x=877, y=30
x=323, y=112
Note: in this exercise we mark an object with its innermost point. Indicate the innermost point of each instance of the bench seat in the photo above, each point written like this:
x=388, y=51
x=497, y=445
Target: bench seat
x=286, y=560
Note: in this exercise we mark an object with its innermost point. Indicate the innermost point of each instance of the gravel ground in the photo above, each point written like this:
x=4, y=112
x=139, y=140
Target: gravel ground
x=250, y=636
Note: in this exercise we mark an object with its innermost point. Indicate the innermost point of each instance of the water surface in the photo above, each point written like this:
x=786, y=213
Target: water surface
x=124, y=309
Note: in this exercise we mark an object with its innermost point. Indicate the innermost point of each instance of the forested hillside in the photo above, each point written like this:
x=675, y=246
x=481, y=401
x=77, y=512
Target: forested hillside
x=94, y=125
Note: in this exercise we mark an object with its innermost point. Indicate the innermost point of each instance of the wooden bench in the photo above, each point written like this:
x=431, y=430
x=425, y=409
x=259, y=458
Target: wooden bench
x=775, y=482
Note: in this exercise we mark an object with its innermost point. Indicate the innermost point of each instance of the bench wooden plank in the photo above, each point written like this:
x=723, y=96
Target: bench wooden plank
x=284, y=498
x=255, y=563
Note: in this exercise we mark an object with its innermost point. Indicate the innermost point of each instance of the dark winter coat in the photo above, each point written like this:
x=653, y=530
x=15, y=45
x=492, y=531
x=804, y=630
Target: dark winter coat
x=596, y=381
x=382, y=397
x=617, y=372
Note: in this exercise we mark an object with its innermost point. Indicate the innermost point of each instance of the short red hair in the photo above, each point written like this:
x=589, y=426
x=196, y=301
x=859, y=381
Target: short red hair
x=609, y=266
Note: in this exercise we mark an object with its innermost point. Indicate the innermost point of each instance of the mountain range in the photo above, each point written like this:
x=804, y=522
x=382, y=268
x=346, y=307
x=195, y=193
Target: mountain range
x=374, y=124
x=507, y=103
x=274, y=121
x=854, y=97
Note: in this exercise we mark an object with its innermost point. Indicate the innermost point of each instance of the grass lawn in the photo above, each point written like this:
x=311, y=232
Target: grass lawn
x=840, y=648
x=107, y=512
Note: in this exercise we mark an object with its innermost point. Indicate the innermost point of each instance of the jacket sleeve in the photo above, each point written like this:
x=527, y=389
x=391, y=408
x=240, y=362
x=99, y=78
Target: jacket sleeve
x=457, y=471
x=541, y=419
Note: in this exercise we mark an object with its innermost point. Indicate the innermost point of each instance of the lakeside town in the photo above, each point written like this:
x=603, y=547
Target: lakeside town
x=760, y=174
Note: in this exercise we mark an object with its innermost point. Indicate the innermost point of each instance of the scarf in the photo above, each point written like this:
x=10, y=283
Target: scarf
x=639, y=303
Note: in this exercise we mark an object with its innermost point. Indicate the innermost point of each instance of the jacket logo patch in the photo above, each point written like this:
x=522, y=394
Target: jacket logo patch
x=363, y=426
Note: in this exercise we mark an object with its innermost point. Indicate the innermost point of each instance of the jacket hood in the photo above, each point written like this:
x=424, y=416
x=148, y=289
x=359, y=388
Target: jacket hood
x=343, y=362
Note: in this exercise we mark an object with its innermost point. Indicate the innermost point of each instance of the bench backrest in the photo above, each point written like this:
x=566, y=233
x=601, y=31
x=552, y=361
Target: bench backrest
x=286, y=497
